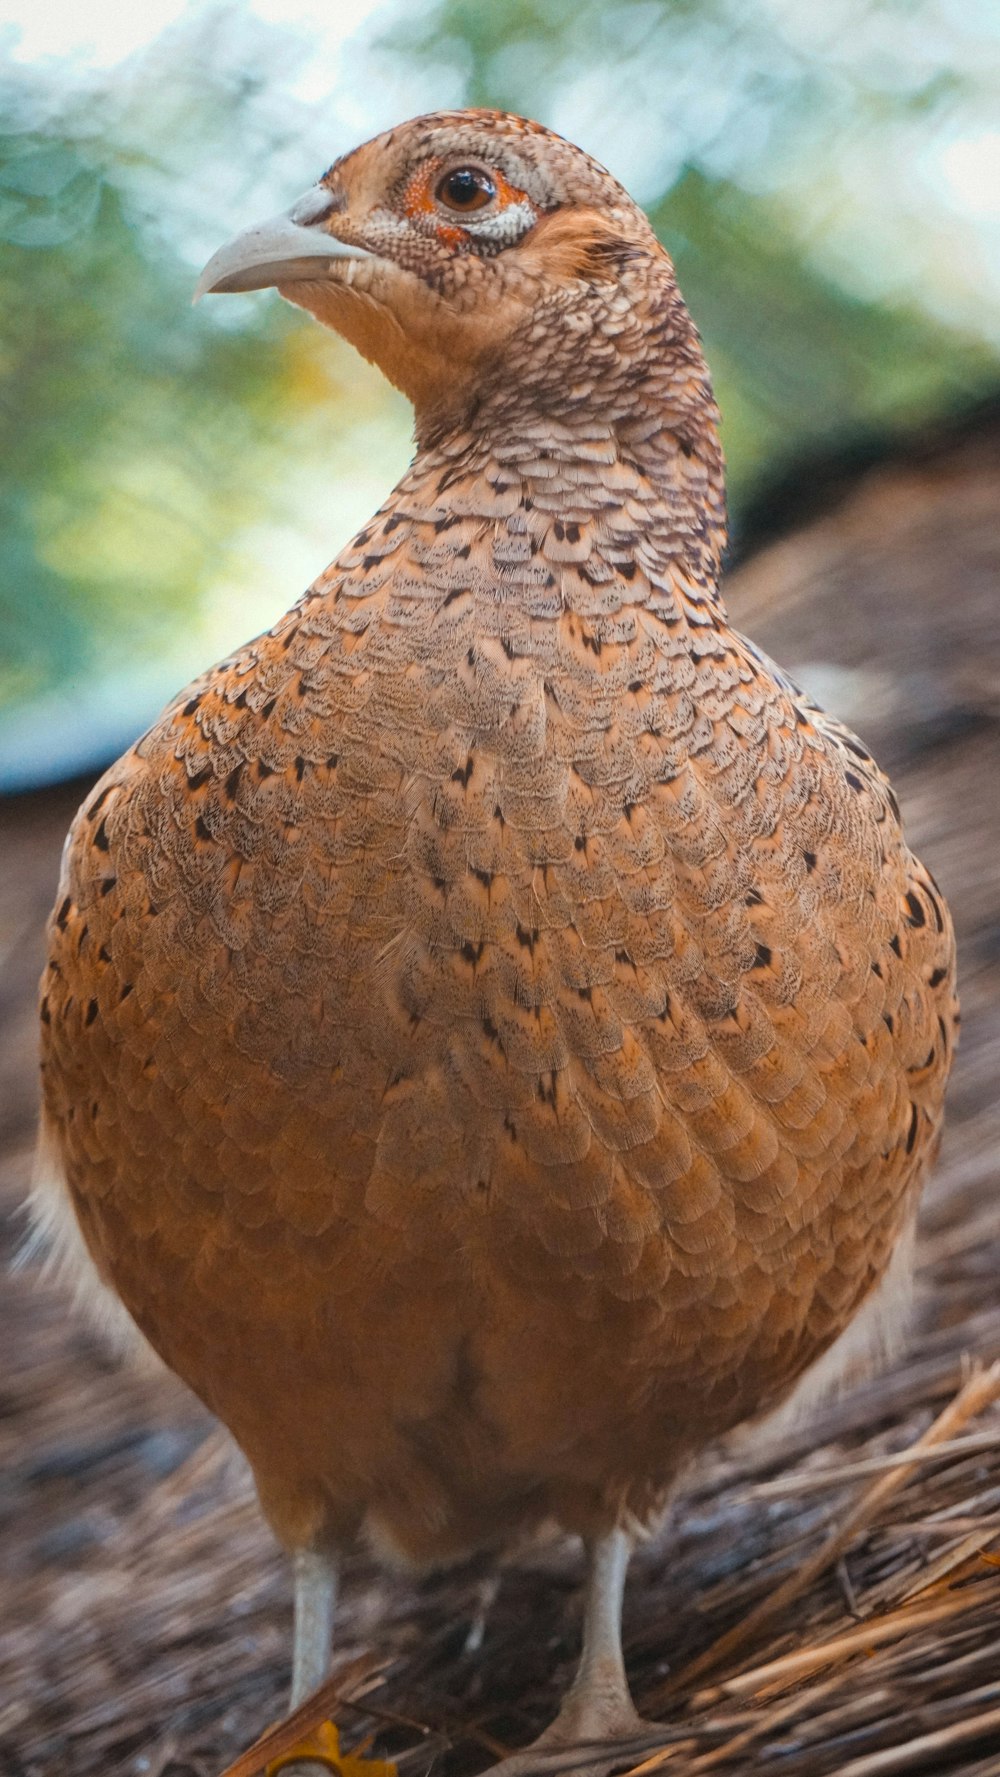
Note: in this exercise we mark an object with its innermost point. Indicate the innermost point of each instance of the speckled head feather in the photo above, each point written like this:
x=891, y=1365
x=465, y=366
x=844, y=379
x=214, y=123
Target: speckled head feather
x=537, y=292
x=541, y=170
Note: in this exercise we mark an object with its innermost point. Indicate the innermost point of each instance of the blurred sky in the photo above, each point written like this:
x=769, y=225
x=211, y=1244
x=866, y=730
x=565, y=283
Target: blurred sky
x=827, y=176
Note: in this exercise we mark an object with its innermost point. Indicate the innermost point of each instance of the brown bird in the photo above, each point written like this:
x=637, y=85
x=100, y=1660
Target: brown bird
x=495, y=1031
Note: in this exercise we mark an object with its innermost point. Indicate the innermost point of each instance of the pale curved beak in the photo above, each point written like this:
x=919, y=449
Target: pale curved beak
x=283, y=250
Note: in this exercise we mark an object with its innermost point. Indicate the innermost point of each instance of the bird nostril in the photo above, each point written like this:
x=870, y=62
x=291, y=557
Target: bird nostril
x=317, y=205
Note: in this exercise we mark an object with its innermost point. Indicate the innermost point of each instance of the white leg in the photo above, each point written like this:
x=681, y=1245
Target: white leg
x=598, y=1705
x=315, y=1602
x=597, y=1711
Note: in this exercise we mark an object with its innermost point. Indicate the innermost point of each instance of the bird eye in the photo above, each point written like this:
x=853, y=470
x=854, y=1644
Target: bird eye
x=466, y=188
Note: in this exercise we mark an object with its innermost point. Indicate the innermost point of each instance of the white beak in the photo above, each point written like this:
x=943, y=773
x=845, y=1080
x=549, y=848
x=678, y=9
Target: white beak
x=283, y=250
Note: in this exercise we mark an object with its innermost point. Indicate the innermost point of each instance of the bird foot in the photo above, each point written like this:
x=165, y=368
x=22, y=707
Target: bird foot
x=312, y=1756
x=575, y=1748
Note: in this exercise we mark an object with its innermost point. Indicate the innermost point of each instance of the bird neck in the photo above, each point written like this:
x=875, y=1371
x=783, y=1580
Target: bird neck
x=610, y=422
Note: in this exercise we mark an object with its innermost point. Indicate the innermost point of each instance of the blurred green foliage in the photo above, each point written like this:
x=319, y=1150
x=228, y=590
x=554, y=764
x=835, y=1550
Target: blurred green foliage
x=155, y=458
x=119, y=479
x=797, y=360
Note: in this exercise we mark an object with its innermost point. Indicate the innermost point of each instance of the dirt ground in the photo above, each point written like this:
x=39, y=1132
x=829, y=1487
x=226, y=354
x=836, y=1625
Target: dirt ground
x=146, y=1612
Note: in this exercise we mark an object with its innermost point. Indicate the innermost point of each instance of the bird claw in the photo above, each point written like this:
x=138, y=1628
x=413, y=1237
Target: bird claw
x=553, y=1755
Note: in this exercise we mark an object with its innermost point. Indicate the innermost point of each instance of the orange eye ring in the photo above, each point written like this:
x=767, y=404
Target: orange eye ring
x=465, y=189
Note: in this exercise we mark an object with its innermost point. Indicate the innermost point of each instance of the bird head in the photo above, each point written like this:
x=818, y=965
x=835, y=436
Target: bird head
x=472, y=254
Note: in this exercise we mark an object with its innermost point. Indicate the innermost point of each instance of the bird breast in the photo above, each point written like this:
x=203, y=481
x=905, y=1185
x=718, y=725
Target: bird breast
x=503, y=921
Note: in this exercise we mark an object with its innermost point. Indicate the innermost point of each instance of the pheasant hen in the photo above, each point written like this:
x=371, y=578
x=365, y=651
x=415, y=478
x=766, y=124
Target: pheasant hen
x=494, y=1029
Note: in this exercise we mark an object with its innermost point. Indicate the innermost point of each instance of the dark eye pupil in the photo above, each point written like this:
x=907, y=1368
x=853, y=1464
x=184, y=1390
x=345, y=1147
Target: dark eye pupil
x=467, y=189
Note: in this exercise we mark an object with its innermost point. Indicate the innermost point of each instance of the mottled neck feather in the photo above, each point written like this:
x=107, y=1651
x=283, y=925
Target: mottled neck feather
x=590, y=387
